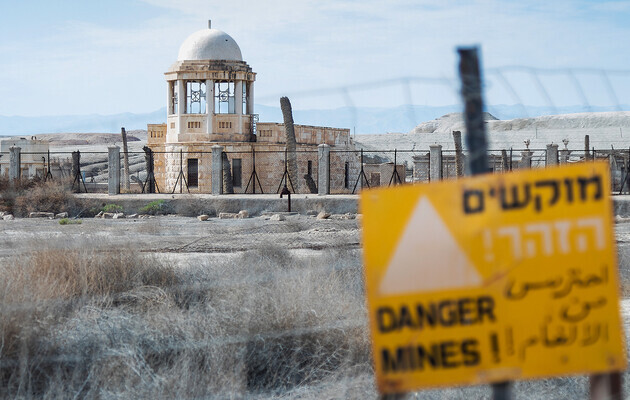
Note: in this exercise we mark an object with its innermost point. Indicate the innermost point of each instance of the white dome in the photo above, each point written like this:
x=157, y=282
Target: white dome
x=209, y=44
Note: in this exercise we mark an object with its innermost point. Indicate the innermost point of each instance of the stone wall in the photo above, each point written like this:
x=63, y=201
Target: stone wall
x=269, y=166
x=271, y=132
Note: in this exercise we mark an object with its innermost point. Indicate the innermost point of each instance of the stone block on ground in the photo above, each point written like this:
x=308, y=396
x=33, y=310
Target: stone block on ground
x=8, y=217
x=40, y=214
x=107, y=215
x=226, y=215
x=61, y=215
x=343, y=216
x=323, y=215
x=243, y=214
x=277, y=217
x=132, y=216
x=203, y=217
x=118, y=215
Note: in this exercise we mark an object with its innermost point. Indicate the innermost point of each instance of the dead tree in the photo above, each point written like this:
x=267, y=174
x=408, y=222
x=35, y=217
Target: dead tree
x=312, y=187
x=126, y=185
x=148, y=161
x=287, y=115
x=228, y=187
x=504, y=161
x=587, y=155
x=459, y=154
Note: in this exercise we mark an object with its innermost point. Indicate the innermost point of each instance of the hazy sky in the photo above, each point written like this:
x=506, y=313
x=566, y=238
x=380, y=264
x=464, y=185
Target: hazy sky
x=103, y=57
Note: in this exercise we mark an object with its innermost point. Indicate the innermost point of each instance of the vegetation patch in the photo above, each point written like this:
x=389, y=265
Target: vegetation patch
x=155, y=207
x=112, y=208
x=68, y=221
x=26, y=196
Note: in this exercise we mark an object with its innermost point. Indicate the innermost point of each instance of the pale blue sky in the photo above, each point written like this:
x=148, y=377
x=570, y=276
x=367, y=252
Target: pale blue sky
x=103, y=57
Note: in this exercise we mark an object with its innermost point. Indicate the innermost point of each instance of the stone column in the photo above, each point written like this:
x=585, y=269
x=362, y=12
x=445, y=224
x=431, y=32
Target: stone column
x=113, y=170
x=250, y=97
x=169, y=98
x=15, y=161
x=238, y=99
x=181, y=105
x=435, y=162
x=217, y=169
x=564, y=156
x=552, y=155
x=526, y=159
x=209, y=105
x=323, y=169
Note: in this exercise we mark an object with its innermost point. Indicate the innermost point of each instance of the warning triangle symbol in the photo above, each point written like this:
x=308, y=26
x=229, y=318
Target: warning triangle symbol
x=427, y=257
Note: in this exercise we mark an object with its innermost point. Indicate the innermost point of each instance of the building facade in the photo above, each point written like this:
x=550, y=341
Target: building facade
x=33, y=156
x=210, y=102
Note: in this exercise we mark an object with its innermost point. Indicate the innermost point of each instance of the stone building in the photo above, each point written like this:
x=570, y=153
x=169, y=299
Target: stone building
x=210, y=103
x=33, y=156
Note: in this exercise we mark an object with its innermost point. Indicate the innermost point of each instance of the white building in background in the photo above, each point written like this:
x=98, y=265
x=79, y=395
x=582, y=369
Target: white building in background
x=33, y=157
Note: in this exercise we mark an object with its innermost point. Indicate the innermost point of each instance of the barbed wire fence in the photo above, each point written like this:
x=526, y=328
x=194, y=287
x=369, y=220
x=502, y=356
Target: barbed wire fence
x=160, y=347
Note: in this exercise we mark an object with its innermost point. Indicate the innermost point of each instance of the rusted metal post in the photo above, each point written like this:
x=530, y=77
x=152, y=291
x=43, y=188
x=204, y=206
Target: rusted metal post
x=606, y=386
x=285, y=191
x=126, y=183
x=470, y=75
x=459, y=154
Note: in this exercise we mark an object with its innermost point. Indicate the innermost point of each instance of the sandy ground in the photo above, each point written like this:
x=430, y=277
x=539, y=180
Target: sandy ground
x=182, y=235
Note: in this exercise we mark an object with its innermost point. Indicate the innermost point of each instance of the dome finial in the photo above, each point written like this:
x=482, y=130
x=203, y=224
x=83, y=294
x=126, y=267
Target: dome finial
x=209, y=24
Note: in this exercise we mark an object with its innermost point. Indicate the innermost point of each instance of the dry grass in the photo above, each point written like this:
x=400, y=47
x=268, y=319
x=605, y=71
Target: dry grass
x=266, y=323
x=36, y=195
x=116, y=324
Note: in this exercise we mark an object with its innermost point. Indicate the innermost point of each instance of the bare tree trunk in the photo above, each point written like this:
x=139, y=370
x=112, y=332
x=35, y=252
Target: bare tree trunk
x=125, y=159
x=504, y=161
x=228, y=188
x=459, y=155
x=312, y=187
x=149, y=166
x=287, y=114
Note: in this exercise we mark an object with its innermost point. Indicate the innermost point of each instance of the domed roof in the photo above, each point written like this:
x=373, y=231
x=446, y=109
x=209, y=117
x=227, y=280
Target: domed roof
x=209, y=44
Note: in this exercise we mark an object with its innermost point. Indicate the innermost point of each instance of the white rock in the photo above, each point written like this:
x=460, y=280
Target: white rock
x=203, y=217
x=243, y=214
x=39, y=214
x=3, y=213
x=107, y=215
x=99, y=215
x=277, y=217
x=225, y=215
x=132, y=216
x=61, y=215
x=8, y=217
x=118, y=215
x=323, y=215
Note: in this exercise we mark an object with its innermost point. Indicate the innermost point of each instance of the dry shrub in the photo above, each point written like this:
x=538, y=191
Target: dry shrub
x=51, y=196
x=66, y=274
x=40, y=291
x=35, y=194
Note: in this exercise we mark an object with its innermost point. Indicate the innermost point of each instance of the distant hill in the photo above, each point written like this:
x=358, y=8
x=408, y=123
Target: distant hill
x=362, y=120
x=596, y=120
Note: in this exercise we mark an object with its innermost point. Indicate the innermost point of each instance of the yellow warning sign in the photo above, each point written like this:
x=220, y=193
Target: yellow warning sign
x=492, y=278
